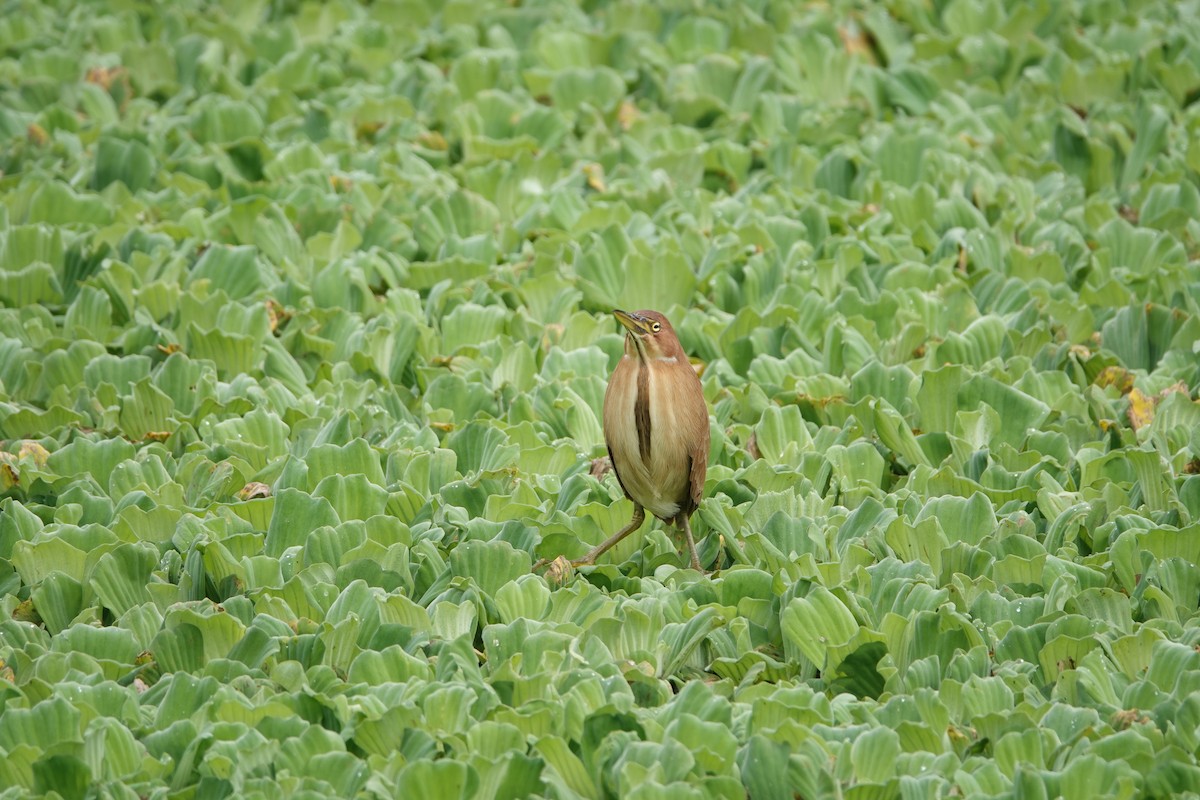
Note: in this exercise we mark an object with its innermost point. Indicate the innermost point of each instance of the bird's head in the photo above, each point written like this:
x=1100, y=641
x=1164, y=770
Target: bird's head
x=649, y=336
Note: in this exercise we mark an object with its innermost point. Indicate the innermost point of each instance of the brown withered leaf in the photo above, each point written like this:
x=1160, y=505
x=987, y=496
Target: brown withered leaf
x=168, y=349
x=600, y=467
x=752, y=447
x=857, y=42
x=559, y=571
x=254, y=490
x=37, y=134
x=1126, y=718
x=157, y=436
x=821, y=402
x=1179, y=387
x=277, y=315
x=105, y=77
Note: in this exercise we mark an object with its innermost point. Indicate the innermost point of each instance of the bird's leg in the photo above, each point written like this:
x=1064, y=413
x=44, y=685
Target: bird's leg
x=639, y=516
x=687, y=531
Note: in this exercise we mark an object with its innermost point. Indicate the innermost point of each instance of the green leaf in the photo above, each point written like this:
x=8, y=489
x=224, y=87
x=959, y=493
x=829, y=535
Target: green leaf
x=1018, y=413
x=816, y=622
x=67, y=775
x=481, y=448
x=763, y=764
x=233, y=270
x=664, y=280
x=526, y=597
x=120, y=576
x=679, y=640
x=781, y=435
x=96, y=458
x=874, y=754
x=58, y=204
x=46, y=725
x=490, y=564
x=191, y=638
x=438, y=780
x=221, y=119
x=970, y=519
x=1150, y=137
x=897, y=436
x=148, y=411
x=296, y=515
x=125, y=160
x=58, y=600
x=352, y=496
x=600, y=87
x=564, y=770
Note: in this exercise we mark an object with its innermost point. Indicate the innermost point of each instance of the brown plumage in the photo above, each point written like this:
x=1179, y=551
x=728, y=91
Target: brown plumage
x=656, y=429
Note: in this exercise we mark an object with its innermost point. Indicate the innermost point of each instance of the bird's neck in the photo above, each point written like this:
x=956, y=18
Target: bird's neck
x=651, y=361
x=644, y=356
x=631, y=348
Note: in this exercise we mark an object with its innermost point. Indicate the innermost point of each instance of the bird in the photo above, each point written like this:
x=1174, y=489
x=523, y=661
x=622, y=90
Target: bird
x=656, y=429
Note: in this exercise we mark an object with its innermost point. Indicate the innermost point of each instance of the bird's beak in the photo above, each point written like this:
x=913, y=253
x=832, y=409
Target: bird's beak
x=633, y=323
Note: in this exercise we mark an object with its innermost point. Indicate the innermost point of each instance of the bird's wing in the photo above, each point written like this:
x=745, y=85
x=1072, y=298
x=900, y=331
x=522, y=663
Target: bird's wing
x=698, y=455
x=616, y=472
x=697, y=468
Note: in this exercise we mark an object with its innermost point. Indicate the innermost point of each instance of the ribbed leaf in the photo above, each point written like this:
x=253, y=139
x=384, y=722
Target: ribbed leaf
x=490, y=564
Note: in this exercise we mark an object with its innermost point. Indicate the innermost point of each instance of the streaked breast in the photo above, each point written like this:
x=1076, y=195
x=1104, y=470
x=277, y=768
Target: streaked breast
x=655, y=477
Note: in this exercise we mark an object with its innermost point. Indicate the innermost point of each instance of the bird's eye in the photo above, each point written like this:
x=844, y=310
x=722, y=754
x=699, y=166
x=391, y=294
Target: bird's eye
x=654, y=326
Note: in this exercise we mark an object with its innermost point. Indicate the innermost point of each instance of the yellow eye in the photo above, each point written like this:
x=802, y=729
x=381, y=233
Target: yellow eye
x=654, y=326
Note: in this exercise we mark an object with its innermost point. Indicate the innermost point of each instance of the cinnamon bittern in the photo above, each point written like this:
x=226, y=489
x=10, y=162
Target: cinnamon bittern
x=656, y=429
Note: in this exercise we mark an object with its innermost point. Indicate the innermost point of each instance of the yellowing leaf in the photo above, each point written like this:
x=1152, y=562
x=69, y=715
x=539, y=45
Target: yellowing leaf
x=9, y=477
x=1141, y=409
x=34, y=450
x=595, y=177
x=433, y=140
x=1115, y=376
x=857, y=42
x=627, y=114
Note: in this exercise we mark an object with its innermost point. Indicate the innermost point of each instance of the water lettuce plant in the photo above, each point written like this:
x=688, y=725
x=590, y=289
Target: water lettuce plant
x=304, y=333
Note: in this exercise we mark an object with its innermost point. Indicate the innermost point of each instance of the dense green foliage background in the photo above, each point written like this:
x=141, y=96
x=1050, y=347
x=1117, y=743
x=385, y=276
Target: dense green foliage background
x=304, y=332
